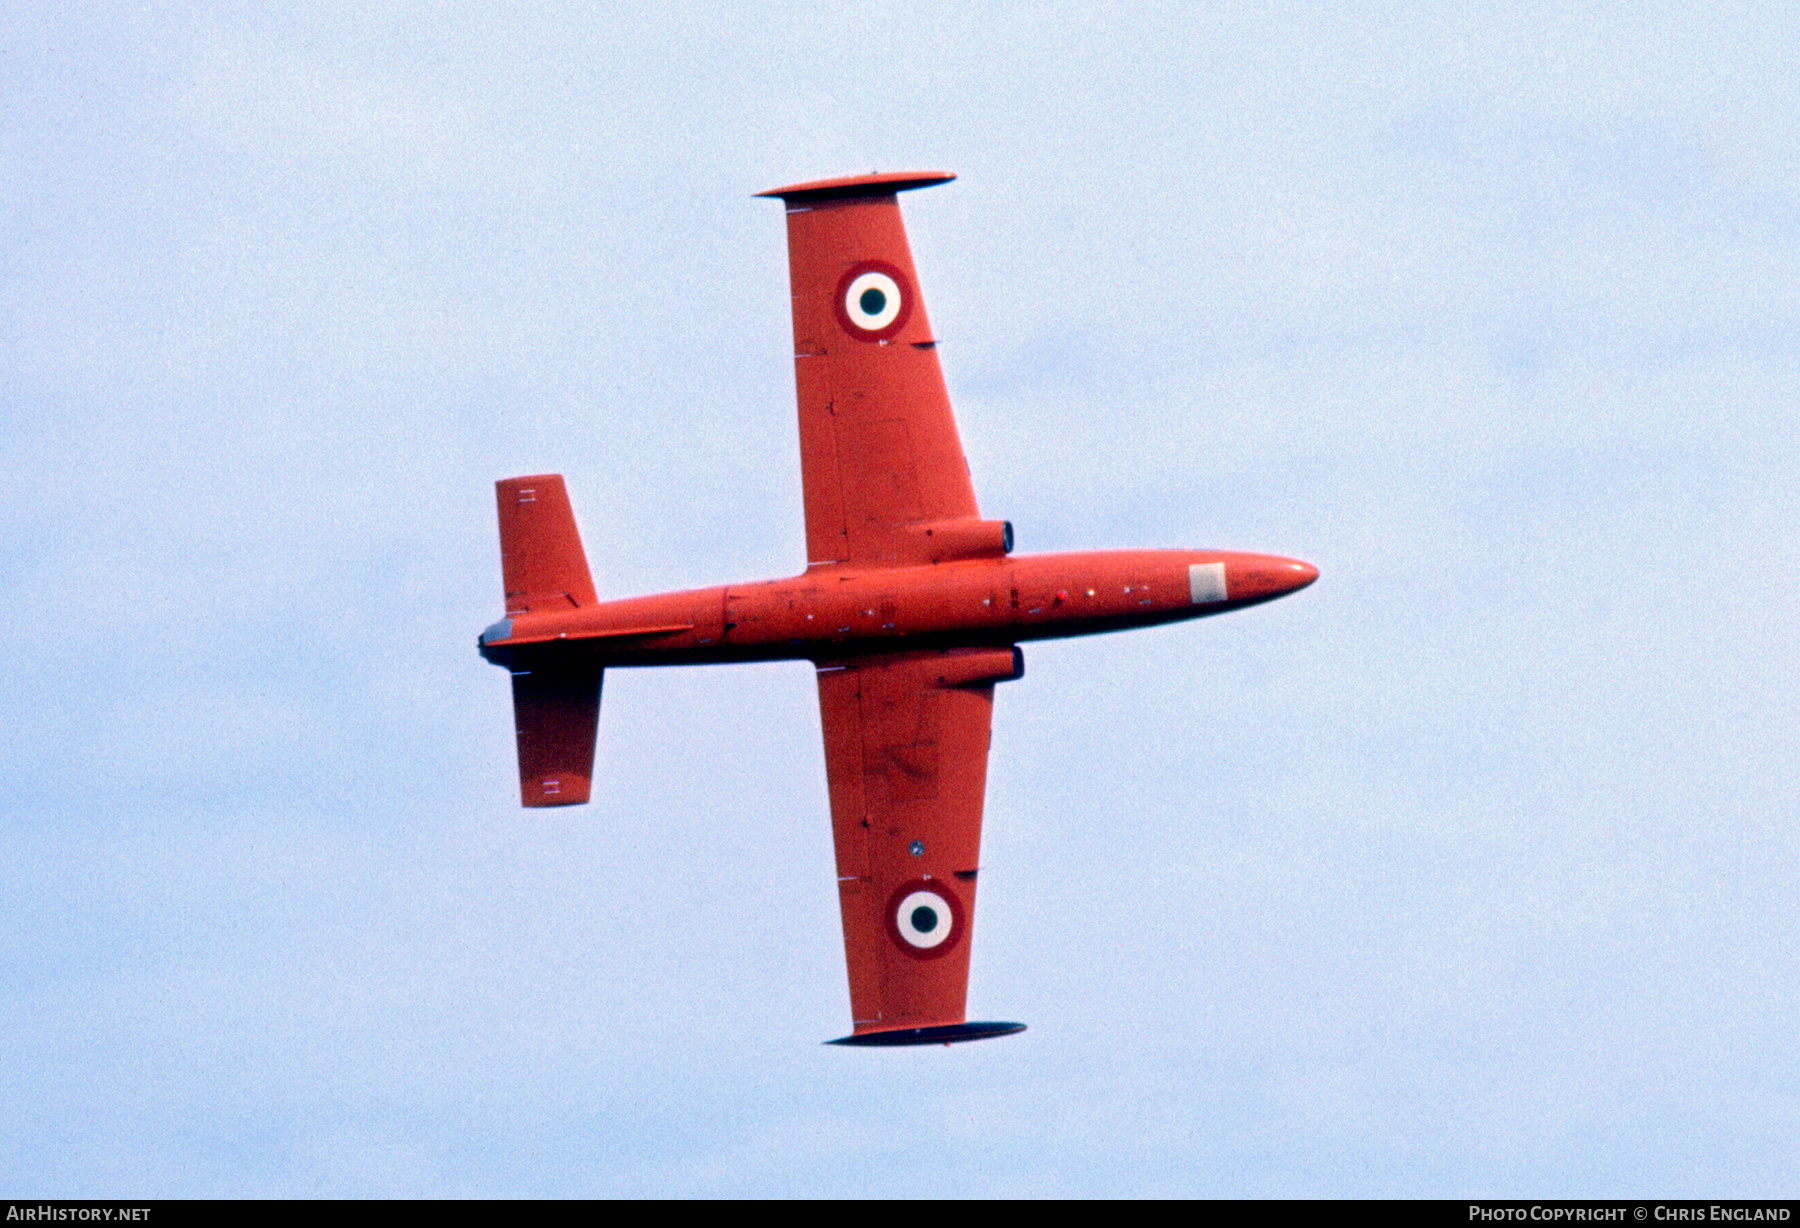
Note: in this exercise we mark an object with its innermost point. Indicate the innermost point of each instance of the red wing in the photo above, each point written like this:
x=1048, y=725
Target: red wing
x=906, y=745
x=878, y=443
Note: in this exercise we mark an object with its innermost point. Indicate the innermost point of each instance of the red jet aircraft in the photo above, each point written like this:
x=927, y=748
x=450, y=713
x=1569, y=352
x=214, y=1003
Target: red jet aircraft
x=911, y=608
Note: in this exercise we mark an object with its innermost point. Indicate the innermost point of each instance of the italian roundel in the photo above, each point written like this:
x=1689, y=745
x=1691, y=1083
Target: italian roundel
x=924, y=918
x=873, y=301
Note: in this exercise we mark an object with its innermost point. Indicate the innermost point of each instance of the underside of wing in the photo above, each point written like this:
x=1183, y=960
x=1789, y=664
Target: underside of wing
x=878, y=443
x=906, y=745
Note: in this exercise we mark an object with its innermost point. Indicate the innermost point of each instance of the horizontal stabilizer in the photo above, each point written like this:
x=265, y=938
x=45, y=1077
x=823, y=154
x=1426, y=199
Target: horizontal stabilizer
x=948, y=1034
x=541, y=557
x=556, y=713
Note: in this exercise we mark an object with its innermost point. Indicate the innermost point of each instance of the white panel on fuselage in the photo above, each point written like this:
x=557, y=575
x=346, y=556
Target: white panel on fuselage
x=1206, y=582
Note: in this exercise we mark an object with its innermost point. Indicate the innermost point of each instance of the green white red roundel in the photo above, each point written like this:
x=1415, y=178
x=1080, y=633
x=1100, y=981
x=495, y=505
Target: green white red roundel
x=873, y=300
x=925, y=918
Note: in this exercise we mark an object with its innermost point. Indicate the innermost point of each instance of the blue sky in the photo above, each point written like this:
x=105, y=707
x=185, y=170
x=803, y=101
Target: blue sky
x=1468, y=871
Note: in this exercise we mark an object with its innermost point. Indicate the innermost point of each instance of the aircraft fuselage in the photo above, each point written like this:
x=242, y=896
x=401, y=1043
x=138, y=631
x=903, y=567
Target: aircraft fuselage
x=838, y=610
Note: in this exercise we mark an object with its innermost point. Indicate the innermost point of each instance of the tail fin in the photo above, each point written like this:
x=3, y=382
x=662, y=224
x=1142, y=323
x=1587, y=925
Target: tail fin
x=540, y=548
x=556, y=705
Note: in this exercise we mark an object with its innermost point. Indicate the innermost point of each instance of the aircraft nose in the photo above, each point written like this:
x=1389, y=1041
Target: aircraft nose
x=1263, y=577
